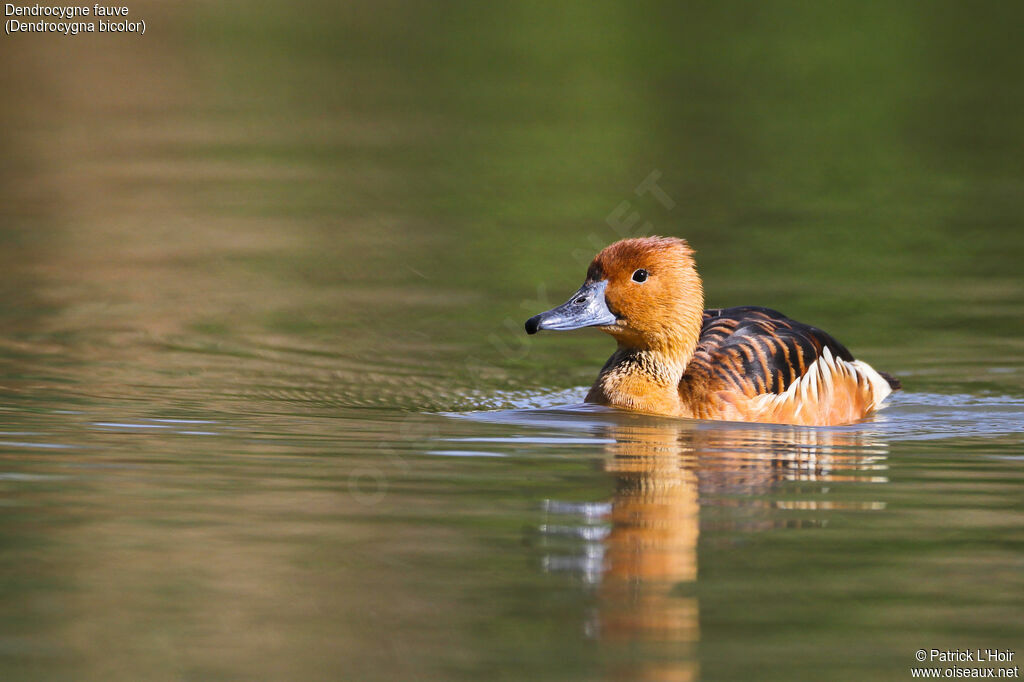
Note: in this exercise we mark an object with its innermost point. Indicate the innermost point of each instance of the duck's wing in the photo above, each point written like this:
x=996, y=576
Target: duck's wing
x=768, y=367
x=758, y=350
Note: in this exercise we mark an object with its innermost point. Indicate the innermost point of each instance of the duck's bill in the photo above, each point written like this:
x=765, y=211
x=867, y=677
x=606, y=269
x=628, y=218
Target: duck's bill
x=586, y=308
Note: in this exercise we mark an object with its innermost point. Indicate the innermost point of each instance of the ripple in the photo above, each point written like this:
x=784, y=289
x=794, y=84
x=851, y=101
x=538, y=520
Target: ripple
x=464, y=453
x=907, y=416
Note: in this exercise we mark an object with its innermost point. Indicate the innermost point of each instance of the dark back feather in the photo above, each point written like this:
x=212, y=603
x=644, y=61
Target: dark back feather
x=755, y=350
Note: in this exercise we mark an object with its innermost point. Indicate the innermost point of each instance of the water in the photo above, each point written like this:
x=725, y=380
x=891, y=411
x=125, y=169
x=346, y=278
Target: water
x=267, y=410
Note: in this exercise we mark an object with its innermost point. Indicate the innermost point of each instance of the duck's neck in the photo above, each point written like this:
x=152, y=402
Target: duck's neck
x=645, y=372
x=643, y=379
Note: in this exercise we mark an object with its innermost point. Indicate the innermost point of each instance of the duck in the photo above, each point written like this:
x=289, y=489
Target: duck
x=676, y=358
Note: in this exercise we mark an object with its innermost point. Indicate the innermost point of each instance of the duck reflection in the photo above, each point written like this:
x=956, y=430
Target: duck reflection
x=640, y=550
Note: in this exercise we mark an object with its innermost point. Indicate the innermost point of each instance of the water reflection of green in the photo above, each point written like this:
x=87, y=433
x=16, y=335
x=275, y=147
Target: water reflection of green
x=329, y=211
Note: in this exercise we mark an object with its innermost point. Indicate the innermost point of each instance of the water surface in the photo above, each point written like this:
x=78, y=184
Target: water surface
x=267, y=410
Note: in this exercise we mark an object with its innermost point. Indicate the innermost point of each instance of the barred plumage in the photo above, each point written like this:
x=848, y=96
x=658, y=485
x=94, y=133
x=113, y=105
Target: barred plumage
x=756, y=350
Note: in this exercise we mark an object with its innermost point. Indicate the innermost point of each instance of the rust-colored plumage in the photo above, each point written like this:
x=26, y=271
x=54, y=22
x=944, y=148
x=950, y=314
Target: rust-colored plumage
x=675, y=358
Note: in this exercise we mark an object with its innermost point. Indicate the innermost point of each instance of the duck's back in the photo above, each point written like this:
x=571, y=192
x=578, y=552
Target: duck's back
x=756, y=364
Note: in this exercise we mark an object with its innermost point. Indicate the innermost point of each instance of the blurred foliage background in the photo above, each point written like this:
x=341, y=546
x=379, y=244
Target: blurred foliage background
x=387, y=171
x=257, y=250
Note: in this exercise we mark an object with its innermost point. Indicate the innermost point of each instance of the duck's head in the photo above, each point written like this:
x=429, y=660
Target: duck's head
x=645, y=292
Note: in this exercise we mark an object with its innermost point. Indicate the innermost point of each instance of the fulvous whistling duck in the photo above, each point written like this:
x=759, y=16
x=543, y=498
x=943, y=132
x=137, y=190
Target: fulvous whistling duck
x=676, y=358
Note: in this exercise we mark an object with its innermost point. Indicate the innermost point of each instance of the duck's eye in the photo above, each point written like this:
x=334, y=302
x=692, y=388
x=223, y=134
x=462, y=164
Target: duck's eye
x=640, y=275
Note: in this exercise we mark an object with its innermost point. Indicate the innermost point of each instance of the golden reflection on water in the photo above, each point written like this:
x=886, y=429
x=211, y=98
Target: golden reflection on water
x=663, y=473
x=652, y=546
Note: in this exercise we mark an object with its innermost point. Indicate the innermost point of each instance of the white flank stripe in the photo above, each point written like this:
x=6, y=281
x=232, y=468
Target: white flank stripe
x=817, y=385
